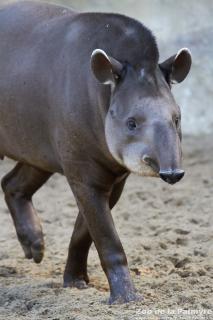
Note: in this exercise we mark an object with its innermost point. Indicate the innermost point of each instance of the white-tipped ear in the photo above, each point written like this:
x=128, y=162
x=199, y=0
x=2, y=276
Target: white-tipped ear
x=99, y=51
x=185, y=50
x=177, y=67
x=182, y=64
x=105, y=68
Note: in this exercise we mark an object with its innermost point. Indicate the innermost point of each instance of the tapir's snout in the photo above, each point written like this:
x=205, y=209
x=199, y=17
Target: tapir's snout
x=169, y=176
x=163, y=151
x=172, y=176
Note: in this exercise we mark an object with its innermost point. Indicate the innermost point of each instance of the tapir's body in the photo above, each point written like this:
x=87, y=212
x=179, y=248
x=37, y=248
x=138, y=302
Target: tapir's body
x=82, y=94
x=47, y=93
x=47, y=90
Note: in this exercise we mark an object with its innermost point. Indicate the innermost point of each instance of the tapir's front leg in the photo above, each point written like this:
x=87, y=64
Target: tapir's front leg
x=94, y=205
x=19, y=185
x=75, y=274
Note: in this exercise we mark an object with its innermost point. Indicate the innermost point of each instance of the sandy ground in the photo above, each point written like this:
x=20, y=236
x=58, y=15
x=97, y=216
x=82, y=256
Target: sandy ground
x=167, y=233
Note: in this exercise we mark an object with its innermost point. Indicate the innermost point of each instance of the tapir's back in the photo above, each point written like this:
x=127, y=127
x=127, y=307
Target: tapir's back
x=29, y=13
x=23, y=25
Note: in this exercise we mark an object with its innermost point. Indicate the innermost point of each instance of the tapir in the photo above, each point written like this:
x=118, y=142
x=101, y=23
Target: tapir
x=84, y=95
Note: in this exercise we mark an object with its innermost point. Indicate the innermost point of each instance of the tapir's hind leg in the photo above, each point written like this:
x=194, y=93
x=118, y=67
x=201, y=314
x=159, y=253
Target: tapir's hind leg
x=75, y=274
x=19, y=185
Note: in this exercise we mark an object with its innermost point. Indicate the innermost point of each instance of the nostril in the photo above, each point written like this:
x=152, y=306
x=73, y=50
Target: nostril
x=179, y=174
x=172, y=176
x=165, y=176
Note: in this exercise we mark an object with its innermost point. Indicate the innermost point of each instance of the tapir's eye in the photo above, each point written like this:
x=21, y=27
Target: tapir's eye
x=131, y=124
x=177, y=121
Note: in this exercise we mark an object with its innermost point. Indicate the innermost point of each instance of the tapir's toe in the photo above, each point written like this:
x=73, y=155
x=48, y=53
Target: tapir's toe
x=126, y=298
x=74, y=282
x=34, y=251
x=27, y=251
x=37, y=250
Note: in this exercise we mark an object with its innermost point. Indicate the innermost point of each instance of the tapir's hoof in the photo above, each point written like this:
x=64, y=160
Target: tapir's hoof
x=79, y=283
x=34, y=251
x=128, y=297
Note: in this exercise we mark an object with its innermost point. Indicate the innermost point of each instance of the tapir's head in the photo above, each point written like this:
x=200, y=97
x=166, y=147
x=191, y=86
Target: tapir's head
x=143, y=123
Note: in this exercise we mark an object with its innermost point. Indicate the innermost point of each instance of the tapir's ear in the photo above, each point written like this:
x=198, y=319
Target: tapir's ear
x=177, y=67
x=105, y=68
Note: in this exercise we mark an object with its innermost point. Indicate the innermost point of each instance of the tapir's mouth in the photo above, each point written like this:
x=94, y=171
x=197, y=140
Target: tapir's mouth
x=152, y=164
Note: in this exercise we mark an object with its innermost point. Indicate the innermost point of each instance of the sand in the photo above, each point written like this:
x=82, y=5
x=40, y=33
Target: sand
x=167, y=233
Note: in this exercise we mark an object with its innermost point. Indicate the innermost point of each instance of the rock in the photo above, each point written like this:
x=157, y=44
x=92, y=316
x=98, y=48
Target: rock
x=181, y=231
x=182, y=241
